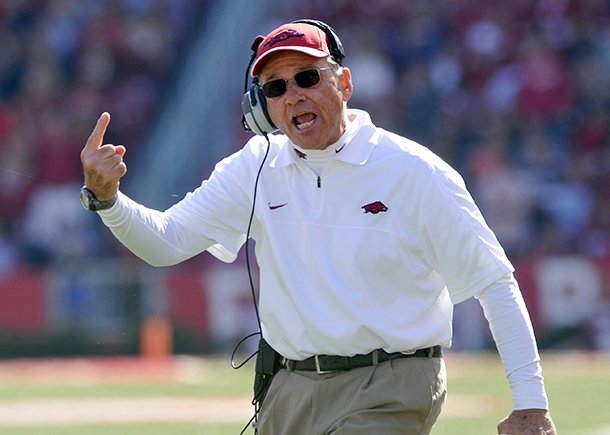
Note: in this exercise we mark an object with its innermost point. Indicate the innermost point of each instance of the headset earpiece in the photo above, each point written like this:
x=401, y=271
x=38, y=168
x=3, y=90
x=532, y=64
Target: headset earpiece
x=255, y=115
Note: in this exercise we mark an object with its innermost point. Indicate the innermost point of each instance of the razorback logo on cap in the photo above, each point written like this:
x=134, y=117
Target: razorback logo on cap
x=374, y=207
x=282, y=36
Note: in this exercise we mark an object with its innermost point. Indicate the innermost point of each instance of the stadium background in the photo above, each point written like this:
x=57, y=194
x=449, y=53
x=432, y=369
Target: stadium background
x=515, y=95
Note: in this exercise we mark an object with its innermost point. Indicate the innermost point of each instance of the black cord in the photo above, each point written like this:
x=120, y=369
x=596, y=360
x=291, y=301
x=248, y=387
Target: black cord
x=256, y=404
x=233, y=354
x=249, y=423
x=247, y=245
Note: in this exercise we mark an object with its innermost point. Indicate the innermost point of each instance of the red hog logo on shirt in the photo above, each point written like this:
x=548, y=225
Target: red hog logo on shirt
x=374, y=207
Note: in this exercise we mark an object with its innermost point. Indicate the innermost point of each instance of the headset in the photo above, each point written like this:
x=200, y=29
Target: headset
x=254, y=105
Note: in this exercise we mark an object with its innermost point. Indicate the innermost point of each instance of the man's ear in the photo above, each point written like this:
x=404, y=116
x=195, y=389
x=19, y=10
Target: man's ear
x=345, y=81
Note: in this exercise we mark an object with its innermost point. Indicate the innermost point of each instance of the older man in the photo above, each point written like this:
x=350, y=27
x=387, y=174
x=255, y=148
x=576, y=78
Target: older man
x=365, y=240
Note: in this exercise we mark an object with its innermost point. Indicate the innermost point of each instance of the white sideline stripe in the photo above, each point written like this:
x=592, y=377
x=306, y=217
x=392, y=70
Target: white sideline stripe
x=124, y=410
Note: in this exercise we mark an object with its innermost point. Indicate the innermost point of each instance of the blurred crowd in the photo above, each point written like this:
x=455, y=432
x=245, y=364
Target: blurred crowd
x=62, y=62
x=515, y=95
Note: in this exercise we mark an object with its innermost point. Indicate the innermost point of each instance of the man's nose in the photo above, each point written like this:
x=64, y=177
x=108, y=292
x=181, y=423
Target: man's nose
x=294, y=92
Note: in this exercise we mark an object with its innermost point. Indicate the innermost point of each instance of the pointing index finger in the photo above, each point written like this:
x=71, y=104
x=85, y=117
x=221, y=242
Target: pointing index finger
x=97, y=135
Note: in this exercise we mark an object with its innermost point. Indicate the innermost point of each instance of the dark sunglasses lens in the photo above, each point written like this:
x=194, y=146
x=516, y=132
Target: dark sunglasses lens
x=274, y=88
x=304, y=79
x=307, y=78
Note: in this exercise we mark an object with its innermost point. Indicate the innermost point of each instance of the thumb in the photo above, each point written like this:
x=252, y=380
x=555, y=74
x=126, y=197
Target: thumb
x=97, y=135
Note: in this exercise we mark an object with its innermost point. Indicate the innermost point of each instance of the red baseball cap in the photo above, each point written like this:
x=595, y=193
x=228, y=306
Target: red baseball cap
x=301, y=37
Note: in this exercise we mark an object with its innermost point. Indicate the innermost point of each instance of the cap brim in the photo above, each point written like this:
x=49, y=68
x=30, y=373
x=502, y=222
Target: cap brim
x=260, y=62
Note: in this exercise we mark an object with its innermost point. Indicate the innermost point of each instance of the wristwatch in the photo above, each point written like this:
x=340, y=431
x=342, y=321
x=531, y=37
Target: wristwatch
x=91, y=203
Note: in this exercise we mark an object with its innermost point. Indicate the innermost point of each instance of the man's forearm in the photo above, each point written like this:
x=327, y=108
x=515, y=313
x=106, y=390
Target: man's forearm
x=511, y=328
x=147, y=233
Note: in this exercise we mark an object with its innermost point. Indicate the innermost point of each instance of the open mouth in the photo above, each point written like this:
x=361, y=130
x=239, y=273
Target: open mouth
x=304, y=120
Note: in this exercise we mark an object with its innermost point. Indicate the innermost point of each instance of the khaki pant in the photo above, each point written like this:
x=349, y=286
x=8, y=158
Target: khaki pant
x=397, y=397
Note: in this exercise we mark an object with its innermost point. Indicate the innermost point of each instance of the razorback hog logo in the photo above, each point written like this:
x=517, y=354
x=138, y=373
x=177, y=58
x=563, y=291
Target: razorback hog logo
x=374, y=207
x=282, y=36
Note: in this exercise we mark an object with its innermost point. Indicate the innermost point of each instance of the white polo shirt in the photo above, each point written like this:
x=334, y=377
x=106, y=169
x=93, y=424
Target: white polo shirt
x=370, y=254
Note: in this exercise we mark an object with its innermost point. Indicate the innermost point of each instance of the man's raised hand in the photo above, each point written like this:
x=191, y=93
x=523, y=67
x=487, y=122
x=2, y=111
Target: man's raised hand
x=103, y=164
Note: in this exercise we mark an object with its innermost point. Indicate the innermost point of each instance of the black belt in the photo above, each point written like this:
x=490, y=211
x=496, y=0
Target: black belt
x=331, y=363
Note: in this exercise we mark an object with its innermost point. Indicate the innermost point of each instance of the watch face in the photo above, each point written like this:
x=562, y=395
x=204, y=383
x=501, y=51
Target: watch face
x=90, y=202
x=85, y=199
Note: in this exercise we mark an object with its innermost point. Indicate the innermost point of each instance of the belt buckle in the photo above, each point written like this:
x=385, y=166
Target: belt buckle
x=319, y=370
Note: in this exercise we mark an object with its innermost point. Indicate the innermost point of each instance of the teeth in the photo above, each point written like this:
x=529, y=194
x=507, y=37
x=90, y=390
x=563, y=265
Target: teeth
x=305, y=125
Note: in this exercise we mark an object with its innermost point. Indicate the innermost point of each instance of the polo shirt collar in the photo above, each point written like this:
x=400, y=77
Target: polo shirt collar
x=354, y=147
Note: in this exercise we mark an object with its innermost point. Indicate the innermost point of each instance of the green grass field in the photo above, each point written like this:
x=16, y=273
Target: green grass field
x=578, y=388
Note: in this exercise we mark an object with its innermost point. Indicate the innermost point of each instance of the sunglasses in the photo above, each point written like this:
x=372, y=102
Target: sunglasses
x=304, y=79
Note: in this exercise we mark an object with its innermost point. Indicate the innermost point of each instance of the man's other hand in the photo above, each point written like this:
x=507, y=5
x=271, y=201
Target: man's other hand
x=527, y=422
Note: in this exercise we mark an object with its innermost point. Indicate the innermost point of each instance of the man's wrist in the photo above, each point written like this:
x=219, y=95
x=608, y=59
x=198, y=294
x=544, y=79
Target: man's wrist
x=92, y=203
x=531, y=411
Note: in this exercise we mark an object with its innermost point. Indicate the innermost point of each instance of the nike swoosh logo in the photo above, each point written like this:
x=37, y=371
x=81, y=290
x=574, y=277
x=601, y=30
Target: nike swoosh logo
x=340, y=149
x=273, y=207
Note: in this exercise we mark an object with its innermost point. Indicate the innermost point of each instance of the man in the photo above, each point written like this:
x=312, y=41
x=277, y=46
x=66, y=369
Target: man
x=365, y=240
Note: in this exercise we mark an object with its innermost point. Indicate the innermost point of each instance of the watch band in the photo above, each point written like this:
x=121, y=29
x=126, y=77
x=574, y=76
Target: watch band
x=91, y=203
